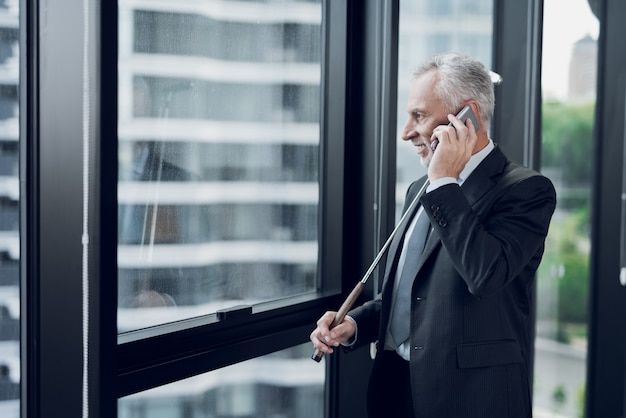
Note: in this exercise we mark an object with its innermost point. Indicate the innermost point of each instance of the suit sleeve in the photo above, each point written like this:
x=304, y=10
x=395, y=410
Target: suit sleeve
x=490, y=250
x=367, y=318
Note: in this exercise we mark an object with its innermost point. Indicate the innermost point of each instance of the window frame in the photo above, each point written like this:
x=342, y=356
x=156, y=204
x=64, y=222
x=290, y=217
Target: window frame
x=52, y=275
x=606, y=355
x=51, y=223
x=169, y=352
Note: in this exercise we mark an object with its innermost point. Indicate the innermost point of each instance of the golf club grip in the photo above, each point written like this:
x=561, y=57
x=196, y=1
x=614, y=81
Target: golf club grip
x=341, y=314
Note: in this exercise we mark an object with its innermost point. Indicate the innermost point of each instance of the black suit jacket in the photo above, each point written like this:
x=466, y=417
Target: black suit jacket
x=471, y=298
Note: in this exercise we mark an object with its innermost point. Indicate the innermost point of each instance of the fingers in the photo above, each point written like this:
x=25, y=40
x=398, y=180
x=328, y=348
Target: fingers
x=321, y=336
x=319, y=344
x=455, y=146
x=324, y=339
x=433, y=144
x=464, y=132
x=458, y=134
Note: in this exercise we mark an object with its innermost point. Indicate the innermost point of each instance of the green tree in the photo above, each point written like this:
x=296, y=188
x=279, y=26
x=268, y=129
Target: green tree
x=565, y=266
x=570, y=248
x=567, y=141
x=567, y=151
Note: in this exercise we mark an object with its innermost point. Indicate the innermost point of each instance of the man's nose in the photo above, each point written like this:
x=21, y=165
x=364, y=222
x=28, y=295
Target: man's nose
x=408, y=132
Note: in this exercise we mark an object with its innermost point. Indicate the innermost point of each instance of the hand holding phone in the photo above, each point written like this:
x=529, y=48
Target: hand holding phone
x=464, y=114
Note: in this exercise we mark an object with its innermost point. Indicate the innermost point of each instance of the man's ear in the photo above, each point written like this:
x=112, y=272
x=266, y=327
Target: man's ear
x=476, y=109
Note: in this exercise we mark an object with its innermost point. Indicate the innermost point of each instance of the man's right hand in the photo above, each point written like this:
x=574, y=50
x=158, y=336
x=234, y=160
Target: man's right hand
x=455, y=148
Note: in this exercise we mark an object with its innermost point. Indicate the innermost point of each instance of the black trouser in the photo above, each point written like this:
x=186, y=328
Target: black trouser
x=389, y=391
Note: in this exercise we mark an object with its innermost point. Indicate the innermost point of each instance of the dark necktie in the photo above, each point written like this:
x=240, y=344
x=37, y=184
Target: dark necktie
x=401, y=314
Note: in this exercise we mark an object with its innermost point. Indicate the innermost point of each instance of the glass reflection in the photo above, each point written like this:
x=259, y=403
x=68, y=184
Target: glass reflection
x=218, y=156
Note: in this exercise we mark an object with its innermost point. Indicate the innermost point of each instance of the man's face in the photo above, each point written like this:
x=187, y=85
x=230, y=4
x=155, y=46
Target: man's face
x=425, y=112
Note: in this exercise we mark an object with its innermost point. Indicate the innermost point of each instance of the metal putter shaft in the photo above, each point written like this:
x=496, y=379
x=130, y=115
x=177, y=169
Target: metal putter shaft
x=354, y=295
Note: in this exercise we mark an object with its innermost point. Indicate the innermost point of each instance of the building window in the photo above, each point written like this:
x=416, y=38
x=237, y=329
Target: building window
x=10, y=201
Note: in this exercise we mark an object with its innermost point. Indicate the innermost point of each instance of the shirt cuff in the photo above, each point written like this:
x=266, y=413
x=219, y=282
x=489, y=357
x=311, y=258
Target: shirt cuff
x=352, y=340
x=440, y=182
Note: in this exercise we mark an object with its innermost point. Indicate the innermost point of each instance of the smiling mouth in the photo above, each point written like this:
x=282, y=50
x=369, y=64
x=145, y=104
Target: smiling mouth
x=421, y=147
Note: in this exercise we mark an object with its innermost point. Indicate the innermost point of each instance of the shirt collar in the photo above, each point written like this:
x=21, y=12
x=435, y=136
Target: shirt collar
x=474, y=161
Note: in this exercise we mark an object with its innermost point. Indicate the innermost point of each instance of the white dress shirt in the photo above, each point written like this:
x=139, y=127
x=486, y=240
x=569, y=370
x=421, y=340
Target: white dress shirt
x=404, y=349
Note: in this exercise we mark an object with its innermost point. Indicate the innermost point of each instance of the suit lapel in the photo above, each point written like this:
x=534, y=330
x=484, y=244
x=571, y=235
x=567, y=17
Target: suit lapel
x=481, y=181
x=484, y=176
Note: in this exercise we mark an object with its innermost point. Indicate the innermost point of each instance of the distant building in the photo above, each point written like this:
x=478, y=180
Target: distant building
x=583, y=70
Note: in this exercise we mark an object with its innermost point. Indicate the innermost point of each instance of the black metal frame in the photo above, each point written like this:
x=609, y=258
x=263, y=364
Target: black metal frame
x=51, y=168
x=369, y=167
x=517, y=57
x=606, y=355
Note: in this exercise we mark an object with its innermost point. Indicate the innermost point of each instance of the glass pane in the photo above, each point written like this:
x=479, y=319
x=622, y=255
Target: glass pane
x=218, y=155
x=464, y=26
x=283, y=384
x=569, y=86
x=9, y=211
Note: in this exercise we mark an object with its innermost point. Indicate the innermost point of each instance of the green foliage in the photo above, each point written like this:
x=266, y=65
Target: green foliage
x=559, y=396
x=567, y=150
x=574, y=256
x=568, y=140
x=580, y=401
x=565, y=267
x=573, y=288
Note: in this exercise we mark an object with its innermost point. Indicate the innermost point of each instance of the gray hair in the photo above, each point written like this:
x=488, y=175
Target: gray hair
x=461, y=78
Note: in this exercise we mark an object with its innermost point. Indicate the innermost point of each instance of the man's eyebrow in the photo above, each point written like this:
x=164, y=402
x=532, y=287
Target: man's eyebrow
x=414, y=110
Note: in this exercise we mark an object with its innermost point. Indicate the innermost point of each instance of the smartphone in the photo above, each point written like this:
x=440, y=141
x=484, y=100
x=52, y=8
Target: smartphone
x=464, y=114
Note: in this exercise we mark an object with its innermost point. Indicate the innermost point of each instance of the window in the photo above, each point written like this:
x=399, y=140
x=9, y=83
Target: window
x=219, y=138
x=568, y=87
x=282, y=384
x=221, y=165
